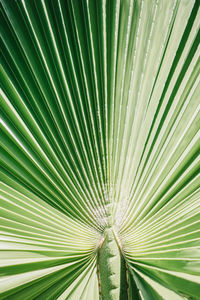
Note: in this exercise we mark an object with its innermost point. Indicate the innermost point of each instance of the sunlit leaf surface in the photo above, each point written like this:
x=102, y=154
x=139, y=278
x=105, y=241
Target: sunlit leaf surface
x=100, y=126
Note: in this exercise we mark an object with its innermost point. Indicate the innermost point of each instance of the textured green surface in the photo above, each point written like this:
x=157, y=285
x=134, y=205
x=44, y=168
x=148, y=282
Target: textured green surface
x=99, y=126
x=109, y=260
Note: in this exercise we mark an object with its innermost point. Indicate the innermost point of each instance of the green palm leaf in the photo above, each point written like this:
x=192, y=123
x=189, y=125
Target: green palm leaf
x=100, y=149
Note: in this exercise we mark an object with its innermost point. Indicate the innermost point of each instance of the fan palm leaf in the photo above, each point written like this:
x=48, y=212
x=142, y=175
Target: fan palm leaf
x=100, y=136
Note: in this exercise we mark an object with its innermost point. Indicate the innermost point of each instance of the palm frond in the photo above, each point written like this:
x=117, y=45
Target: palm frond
x=100, y=128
